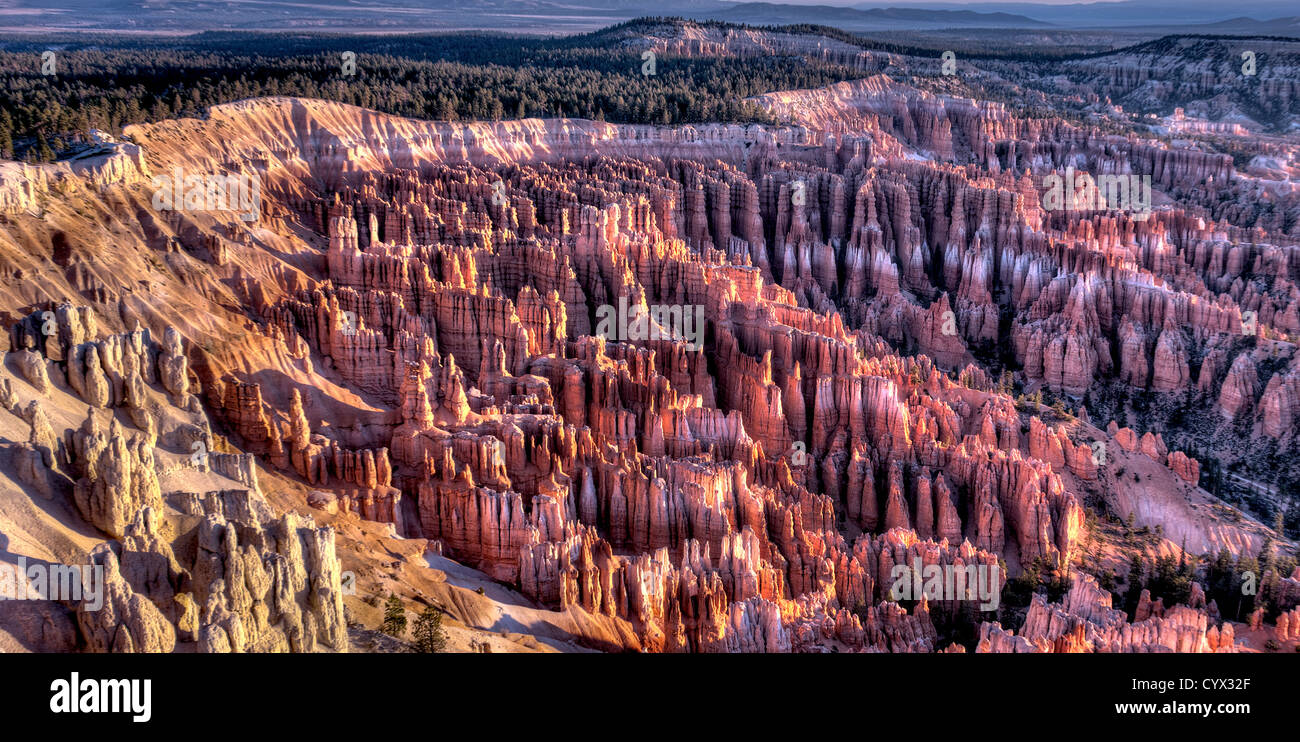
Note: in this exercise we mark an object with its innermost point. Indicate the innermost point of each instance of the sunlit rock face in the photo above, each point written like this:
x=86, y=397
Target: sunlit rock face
x=712, y=383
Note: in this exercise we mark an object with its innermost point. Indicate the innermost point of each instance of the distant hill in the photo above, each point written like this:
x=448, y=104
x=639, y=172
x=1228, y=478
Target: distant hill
x=872, y=19
x=1289, y=26
x=1119, y=13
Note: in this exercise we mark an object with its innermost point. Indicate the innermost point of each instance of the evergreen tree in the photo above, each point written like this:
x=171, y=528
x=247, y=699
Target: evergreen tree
x=394, y=617
x=1266, y=554
x=6, y=135
x=1218, y=578
x=1135, y=580
x=429, y=636
x=1245, y=573
x=43, y=151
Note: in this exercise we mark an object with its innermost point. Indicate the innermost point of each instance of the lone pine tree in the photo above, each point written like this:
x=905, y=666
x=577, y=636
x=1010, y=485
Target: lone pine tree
x=429, y=636
x=394, y=617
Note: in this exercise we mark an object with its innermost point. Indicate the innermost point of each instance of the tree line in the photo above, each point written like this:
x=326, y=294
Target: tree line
x=108, y=83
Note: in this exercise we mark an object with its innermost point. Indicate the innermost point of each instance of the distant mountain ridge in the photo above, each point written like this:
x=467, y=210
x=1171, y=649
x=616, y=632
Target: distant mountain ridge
x=551, y=17
x=1125, y=13
x=857, y=19
x=406, y=16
